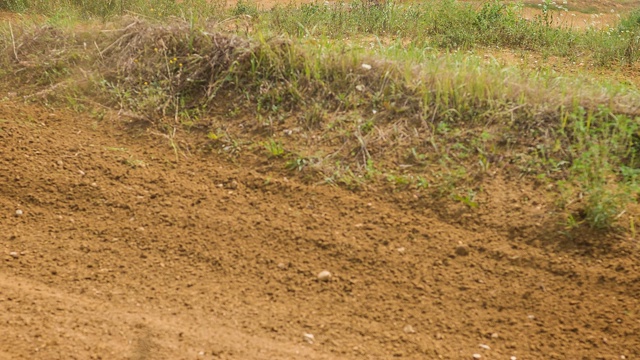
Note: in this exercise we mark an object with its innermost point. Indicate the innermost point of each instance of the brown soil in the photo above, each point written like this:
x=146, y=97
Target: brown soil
x=124, y=251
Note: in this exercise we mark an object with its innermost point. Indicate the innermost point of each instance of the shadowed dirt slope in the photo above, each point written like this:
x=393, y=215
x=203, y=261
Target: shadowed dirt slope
x=124, y=252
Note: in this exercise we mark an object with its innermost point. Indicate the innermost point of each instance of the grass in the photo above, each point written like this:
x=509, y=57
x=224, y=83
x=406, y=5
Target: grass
x=356, y=93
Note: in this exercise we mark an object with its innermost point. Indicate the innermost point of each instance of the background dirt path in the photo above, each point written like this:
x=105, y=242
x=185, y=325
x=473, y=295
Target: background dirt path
x=123, y=252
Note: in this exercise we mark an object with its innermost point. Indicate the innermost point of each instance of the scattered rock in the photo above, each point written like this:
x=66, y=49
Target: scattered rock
x=282, y=266
x=494, y=335
x=19, y=212
x=513, y=358
x=486, y=347
x=324, y=275
x=477, y=356
x=401, y=250
x=409, y=329
x=82, y=173
x=309, y=338
x=462, y=250
x=13, y=254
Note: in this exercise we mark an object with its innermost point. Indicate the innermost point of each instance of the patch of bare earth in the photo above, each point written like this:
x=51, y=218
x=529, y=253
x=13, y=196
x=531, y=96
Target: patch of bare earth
x=121, y=250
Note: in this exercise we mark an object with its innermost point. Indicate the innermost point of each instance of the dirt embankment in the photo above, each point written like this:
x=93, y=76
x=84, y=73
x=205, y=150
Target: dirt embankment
x=122, y=252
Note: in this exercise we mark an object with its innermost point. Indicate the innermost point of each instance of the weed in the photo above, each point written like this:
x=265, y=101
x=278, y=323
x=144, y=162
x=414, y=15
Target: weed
x=468, y=199
x=274, y=148
x=298, y=164
x=422, y=183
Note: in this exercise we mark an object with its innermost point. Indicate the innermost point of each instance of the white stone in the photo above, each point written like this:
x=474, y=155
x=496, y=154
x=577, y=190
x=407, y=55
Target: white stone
x=324, y=275
x=309, y=338
x=409, y=329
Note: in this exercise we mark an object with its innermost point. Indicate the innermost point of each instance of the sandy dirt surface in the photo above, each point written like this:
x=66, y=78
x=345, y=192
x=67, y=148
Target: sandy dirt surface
x=114, y=247
x=122, y=252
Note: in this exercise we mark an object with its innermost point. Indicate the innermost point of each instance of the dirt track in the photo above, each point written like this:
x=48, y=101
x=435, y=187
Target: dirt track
x=123, y=253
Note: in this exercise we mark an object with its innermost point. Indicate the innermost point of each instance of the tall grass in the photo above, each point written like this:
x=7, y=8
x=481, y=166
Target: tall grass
x=442, y=24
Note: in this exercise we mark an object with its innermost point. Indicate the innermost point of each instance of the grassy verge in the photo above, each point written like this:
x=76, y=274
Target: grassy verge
x=445, y=24
x=283, y=84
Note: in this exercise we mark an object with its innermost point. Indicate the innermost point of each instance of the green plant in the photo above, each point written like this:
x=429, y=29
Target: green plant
x=298, y=164
x=468, y=199
x=274, y=148
x=603, y=206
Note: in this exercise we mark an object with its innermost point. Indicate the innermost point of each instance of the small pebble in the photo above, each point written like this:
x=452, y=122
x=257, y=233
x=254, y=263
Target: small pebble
x=82, y=173
x=401, y=250
x=531, y=317
x=494, y=335
x=462, y=250
x=13, y=254
x=282, y=266
x=409, y=329
x=201, y=353
x=308, y=338
x=324, y=275
x=513, y=358
x=486, y=347
x=477, y=356
x=19, y=212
